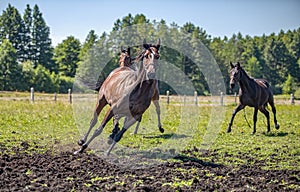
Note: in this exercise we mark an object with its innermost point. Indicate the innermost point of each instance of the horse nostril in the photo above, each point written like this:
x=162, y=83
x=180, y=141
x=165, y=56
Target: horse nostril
x=232, y=85
x=151, y=75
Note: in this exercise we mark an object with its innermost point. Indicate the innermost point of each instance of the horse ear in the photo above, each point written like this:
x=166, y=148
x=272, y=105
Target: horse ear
x=238, y=65
x=158, y=44
x=122, y=49
x=231, y=65
x=145, y=45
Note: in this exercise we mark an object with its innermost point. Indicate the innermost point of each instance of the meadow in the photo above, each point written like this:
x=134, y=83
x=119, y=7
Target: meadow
x=50, y=126
x=194, y=134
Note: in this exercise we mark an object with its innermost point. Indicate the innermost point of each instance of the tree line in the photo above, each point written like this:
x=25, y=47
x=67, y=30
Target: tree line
x=28, y=59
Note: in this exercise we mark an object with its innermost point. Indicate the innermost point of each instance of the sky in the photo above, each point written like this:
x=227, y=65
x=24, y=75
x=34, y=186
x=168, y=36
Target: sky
x=218, y=17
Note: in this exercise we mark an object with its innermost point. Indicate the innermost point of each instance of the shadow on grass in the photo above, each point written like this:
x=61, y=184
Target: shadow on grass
x=166, y=136
x=185, y=158
x=279, y=134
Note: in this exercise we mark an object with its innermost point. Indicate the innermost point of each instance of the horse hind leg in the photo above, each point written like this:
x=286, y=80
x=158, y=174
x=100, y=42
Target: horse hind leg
x=109, y=114
x=100, y=105
x=137, y=125
x=266, y=113
x=271, y=102
x=157, y=108
x=119, y=135
x=115, y=130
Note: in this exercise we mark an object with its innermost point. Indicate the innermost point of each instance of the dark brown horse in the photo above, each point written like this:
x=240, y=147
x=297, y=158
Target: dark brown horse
x=129, y=94
x=155, y=97
x=254, y=93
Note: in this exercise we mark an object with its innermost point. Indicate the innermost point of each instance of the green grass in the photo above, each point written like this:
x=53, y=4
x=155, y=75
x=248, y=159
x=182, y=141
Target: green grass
x=49, y=125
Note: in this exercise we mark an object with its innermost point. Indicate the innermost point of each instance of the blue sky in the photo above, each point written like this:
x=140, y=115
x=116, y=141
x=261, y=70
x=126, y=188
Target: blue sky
x=218, y=17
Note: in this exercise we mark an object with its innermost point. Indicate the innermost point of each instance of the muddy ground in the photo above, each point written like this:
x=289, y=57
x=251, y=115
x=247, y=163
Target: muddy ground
x=64, y=171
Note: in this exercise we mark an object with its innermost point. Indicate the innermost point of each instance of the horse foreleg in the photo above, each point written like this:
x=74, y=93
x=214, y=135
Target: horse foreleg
x=266, y=113
x=109, y=114
x=119, y=135
x=236, y=110
x=100, y=105
x=254, y=119
x=157, y=107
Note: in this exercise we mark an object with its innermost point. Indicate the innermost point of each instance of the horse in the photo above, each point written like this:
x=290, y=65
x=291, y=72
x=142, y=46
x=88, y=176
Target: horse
x=124, y=60
x=255, y=93
x=155, y=97
x=129, y=94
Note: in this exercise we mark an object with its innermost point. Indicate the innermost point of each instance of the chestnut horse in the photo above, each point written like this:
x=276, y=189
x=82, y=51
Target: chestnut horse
x=129, y=94
x=254, y=93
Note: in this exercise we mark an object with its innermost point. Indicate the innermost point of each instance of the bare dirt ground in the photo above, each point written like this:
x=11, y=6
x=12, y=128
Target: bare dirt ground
x=64, y=171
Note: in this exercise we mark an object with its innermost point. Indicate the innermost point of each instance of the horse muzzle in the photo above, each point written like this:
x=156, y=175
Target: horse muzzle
x=151, y=75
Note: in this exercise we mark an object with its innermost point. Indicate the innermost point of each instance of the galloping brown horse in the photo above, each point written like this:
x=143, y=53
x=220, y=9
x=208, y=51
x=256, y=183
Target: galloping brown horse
x=254, y=93
x=129, y=94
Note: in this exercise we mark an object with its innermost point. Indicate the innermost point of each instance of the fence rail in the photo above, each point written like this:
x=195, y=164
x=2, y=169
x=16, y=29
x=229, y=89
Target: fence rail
x=195, y=100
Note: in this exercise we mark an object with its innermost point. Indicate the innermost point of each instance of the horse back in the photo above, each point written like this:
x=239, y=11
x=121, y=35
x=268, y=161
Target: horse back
x=116, y=84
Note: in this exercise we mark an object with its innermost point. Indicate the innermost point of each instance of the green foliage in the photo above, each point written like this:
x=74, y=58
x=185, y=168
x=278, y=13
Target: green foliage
x=44, y=81
x=289, y=85
x=12, y=28
x=8, y=66
x=41, y=43
x=65, y=83
x=297, y=93
x=66, y=55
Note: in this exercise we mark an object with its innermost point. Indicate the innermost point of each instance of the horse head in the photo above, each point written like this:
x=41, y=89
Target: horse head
x=125, y=59
x=235, y=73
x=150, y=59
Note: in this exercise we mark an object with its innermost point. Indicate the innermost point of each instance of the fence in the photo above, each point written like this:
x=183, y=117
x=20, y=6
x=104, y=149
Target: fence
x=195, y=100
x=54, y=97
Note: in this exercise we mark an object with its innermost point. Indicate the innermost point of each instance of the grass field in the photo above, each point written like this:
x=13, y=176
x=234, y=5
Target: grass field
x=52, y=126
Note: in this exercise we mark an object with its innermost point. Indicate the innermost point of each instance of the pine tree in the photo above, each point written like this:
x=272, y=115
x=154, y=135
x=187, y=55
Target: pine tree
x=27, y=18
x=8, y=66
x=41, y=43
x=88, y=44
x=12, y=29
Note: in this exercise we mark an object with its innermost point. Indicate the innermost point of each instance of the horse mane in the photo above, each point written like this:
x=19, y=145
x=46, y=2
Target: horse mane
x=265, y=82
x=246, y=74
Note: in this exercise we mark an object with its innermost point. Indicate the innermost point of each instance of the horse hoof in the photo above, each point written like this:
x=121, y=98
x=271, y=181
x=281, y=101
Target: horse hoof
x=81, y=142
x=161, y=130
x=76, y=152
x=110, y=141
x=277, y=126
x=228, y=130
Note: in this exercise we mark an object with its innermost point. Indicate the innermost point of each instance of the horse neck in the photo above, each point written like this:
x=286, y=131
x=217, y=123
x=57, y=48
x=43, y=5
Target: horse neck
x=245, y=81
x=142, y=83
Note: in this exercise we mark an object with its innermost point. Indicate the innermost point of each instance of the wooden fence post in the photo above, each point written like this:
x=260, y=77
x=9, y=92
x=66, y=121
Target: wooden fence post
x=195, y=98
x=70, y=95
x=55, y=96
x=168, y=97
x=292, y=99
x=32, y=94
x=222, y=99
x=184, y=99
